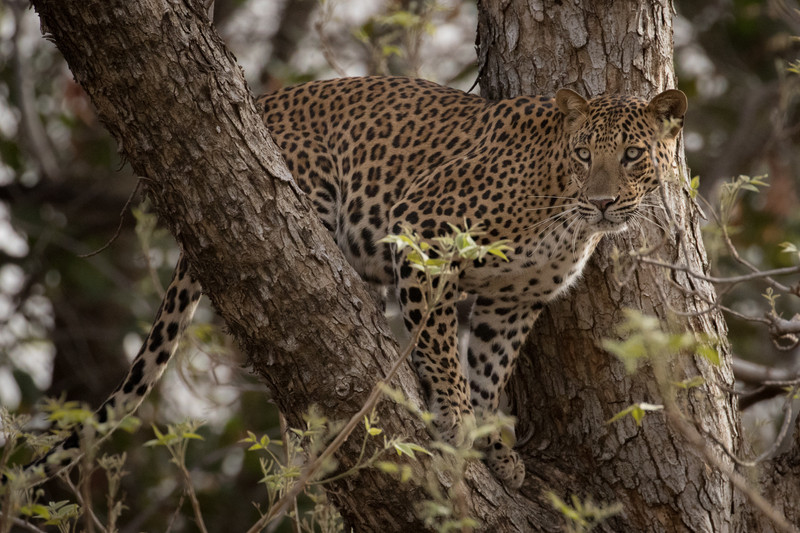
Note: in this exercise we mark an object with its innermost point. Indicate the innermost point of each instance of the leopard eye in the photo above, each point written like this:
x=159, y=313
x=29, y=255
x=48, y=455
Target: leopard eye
x=633, y=153
x=583, y=154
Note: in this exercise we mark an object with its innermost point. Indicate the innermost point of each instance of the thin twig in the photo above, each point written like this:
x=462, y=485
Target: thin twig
x=176, y=513
x=783, y=326
x=694, y=438
x=712, y=306
x=764, y=274
x=761, y=374
x=189, y=489
x=749, y=398
x=782, y=383
x=23, y=524
x=285, y=433
x=86, y=508
x=735, y=253
x=788, y=417
x=676, y=419
x=327, y=49
x=40, y=146
x=119, y=226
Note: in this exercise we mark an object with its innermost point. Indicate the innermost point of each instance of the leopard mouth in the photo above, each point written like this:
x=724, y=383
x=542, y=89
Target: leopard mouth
x=611, y=226
x=602, y=223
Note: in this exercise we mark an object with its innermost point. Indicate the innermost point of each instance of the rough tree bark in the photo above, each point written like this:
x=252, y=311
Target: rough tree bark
x=566, y=386
x=176, y=102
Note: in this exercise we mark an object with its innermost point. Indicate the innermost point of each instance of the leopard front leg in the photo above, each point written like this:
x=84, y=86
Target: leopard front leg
x=498, y=327
x=435, y=356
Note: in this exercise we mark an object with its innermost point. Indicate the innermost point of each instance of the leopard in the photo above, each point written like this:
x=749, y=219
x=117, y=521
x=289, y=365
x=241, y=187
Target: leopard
x=548, y=176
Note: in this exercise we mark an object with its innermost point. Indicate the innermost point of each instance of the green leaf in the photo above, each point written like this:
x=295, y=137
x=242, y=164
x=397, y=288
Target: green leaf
x=697, y=381
x=37, y=510
x=418, y=258
x=642, y=408
x=388, y=467
x=408, y=448
x=130, y=424
x=427, y=417
x=391, y=50
x=436, y=262
x=418, y=448
x=464, y=240
x=499, y=252
x=405, y=473
x=370, y=429
x=403, y=449
x=629, y=351
x=565, y=510
x=433, y=508
x=158, y=441
x=709, y=352
x=694, y=187
x=637, y=411
x=257, y=444
x=676, y=343
x=404, y=19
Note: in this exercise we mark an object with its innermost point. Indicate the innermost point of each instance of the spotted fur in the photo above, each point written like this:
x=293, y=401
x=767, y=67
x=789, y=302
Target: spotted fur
x=377, y=154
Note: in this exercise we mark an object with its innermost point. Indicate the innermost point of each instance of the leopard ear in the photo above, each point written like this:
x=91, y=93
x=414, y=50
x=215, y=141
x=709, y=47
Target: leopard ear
x=574, y=106
x=669, y=106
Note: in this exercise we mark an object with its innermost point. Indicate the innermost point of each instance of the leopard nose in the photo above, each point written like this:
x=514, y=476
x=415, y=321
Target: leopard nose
x=603, y=203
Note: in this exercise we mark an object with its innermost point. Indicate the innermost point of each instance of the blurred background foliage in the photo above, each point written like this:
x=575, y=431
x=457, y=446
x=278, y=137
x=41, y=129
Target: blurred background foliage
x=70, y=324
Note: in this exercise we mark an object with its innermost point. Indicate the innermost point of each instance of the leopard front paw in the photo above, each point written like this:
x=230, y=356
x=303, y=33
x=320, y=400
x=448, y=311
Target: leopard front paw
x=454, y=426
x=505, y=464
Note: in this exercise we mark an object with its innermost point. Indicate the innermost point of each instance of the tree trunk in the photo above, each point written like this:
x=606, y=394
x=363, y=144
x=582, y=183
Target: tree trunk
x=568, y=385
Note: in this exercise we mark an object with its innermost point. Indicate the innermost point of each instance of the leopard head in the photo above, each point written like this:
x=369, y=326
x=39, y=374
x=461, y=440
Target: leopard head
x=617, y=146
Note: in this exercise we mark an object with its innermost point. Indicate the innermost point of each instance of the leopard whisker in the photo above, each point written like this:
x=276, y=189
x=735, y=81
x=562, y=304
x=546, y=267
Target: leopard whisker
x=541, y=196
x=640, y=229
x=550, y=218
x=548, y=232
x=653, y=199
x=642, y=217
x=575, y=241
x=544, y=235
x=636, y=223
x=658, y=207
x=564, y=232
x=550, y=207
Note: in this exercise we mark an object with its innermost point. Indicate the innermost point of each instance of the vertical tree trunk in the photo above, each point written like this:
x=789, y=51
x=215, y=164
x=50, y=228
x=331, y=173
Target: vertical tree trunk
x=566, y=387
